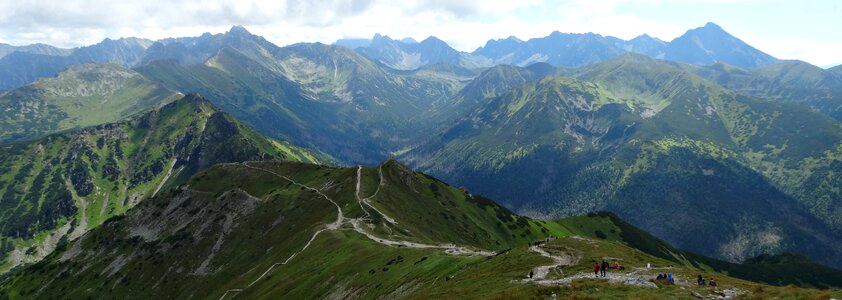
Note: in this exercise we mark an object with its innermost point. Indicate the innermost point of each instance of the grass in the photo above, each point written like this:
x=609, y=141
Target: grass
x=69, y=100
x=234, y=222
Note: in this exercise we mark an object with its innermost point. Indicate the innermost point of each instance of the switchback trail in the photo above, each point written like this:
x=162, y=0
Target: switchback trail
x=366, y=199
x=356, y=225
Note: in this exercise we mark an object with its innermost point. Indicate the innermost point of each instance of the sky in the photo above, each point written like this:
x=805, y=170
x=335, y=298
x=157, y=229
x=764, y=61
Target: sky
x=808, y=30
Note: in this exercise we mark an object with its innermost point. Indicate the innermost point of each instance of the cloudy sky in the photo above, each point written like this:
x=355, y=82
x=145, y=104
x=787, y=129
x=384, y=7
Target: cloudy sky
x=806, y=30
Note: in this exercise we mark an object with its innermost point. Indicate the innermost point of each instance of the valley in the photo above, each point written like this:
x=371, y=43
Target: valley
x=224, y=166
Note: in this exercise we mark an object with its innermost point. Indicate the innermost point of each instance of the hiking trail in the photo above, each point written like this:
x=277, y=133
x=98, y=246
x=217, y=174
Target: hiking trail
x=355, y=223
x=568, y=259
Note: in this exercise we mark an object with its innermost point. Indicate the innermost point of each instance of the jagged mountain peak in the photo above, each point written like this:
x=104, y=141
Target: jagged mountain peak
x=709, y=44
x=380, y=38
x=238, y=29
x=709, y=30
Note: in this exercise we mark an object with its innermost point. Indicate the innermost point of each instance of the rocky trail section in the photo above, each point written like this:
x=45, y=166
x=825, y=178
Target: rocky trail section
x=565, y=259
x=638, y=277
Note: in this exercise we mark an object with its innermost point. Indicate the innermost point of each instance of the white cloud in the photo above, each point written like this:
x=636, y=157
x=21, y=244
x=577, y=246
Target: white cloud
x=817, y=53
x=464, y=24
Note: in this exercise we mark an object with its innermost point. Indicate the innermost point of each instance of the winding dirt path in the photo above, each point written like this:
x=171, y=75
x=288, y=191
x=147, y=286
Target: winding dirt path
x=568, y=259
x=540, y=272
x=366, y=199
x=356, y=224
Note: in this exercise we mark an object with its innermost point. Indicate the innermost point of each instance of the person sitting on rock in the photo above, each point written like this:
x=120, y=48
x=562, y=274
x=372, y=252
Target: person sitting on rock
x=712, y=282
x=700, y=280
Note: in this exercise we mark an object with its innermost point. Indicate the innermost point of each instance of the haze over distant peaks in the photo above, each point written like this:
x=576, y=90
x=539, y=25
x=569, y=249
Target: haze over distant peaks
x=704, y=46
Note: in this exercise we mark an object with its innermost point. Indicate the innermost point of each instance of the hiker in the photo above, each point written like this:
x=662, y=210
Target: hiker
x=604, y=267
x=595, y=269
x=530, y=274
x=660, y=276
x=648, y=265
x=669, y=278
x=616, y=266
x=700, y=280
x=712, y=282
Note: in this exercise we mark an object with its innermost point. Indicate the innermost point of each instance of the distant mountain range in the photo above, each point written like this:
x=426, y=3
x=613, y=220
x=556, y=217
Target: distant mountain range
x=19, y=68
x=703, y=46
x=34, y=49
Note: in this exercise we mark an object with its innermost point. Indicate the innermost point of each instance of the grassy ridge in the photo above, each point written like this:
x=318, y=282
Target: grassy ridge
x=227, y=226
x=68, y=101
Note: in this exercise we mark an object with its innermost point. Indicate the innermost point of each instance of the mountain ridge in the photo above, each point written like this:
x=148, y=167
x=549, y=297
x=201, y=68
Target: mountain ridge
x=564, y=49
x=66, y=101
x=59, y=186
x=335, y=250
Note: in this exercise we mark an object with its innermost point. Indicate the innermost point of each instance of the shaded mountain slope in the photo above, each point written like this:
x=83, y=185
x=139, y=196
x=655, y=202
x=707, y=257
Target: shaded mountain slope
x=647, y=140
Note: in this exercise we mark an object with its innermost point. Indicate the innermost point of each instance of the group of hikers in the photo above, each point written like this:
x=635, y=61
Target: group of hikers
x=666, y=276
x=601, y=269
x=701, y=281
x=539, y=242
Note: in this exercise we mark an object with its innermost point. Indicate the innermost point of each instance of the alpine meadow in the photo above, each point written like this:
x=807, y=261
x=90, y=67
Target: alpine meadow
x=344, y=149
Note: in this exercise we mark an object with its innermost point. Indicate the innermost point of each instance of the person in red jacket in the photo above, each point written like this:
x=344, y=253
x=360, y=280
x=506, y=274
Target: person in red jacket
x=595, y=269
x=604, y=267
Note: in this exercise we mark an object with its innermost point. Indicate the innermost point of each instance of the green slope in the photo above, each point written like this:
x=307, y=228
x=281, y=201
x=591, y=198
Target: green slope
x=787, y=81
x=230, y=223
x=654, y=144
x=81, y=96
x=58, y=187
x=273, y=230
